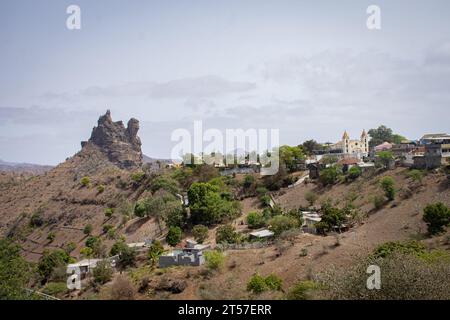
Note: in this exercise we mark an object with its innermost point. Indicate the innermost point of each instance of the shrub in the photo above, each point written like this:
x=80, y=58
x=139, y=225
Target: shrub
x=174, y=236
x=281, y=223
x=70, y=247
x=50, y=260
x=249, y=180
x=137, y=176
x=214, y=259
x=87, y=229
x=51, y=236
x=302, y=290
x=85, y=181
x=101, y=188
x=261, y=191
x=55, y=288
x=36, y=220
x=122, y=289
x=328, y=175
x=91, y=242
x=378, y=202
x=415, y=175
x=102, y=272
x=354, y=172
x=311, y=197
x=257, y=284
x=255, y=220
x=155, y=251
x=107, y=227
x=436, y=216
x=388, y=186
x=111, y=233
x=388, y=248
x=109, y=212
x=273, y=282
x=165, y=183
x=200, y=233
x=265, y=200
x=226, y=234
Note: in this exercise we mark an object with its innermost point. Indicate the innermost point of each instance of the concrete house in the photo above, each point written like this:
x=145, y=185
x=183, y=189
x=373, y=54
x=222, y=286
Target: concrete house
x=191, y=254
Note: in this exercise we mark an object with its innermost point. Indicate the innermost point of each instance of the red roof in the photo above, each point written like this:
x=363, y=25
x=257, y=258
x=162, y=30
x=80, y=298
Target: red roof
x=348, y=161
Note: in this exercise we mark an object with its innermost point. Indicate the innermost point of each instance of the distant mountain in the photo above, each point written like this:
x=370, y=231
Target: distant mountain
x=23, y=167
x=147, y=159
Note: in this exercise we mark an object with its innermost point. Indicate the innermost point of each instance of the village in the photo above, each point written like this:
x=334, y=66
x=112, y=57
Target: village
x=352, y=157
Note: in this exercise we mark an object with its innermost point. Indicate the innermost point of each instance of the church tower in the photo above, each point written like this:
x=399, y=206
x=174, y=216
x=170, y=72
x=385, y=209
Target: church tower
x=365, y=141
x=345, y=139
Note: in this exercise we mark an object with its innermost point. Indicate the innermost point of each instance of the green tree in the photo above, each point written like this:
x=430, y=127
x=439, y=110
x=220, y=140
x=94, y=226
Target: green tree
x=255, y=220
x=354, y=172
x=109, y=212
x=85, y=181
x=385, y=157
x=436, y=216
x=328, y=175
x=50, y=260
x=200, y=233
x=388, y=186
x=257, y=284
x=209, y=206
x=102, y=272
x=214, y=259
x=226, y=234
x=174, y=236
x=87, y=229
x=310, y=145
x=281, y=223
x=166, y=183
x=311, y=197
x=14, y=272
x=155, y=251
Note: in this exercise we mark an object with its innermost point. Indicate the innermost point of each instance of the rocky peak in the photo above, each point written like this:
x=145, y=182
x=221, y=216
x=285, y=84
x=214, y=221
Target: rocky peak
x=121, y=145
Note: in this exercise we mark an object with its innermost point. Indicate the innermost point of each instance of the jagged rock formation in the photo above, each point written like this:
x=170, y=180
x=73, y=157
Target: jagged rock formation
x=121, y=145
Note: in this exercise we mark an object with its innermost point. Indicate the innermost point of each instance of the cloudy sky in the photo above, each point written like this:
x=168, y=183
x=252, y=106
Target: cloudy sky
x=312, y=69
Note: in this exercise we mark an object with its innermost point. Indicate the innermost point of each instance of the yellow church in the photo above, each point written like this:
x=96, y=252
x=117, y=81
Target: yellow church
x=358, y=148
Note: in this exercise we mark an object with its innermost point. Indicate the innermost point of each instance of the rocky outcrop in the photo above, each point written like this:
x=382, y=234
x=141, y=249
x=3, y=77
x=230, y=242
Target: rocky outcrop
x=121, y=145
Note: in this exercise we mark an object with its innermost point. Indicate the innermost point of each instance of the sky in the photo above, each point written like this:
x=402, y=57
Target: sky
x=311, y=69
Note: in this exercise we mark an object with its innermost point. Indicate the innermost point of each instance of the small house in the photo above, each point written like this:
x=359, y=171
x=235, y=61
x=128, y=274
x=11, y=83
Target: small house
x=309, y=221
x=189, y=254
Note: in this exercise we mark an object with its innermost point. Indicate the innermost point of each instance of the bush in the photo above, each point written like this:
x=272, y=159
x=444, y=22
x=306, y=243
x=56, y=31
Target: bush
x=257, y=284
x=200, y=233
x=174, y=236
x=50, y=260
x=226, y=234
x=302, y=290
x=436, y=216
x=70, y=247
x=255, y=220
x=155, y=251
x=214, y=259
x=100, y=188
x=388, y=186
x=109, y=212
x=273, y=282
x=378, y=202
x=91, y=242
x=55, y=288
x=36, y=220
x=354, y=172
x=328, y=175
x=137, y=176
x=112, y=233
x=107, y=227
x=51, y=236
x=388, y=248
x=281, y=223
x=122, y=289
x=85, y=181
x=87, y=229
x=249, y=180
x=102, y=272
x=265, y=200
x=415, y=175
x=261, y=191
x=311, y=197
